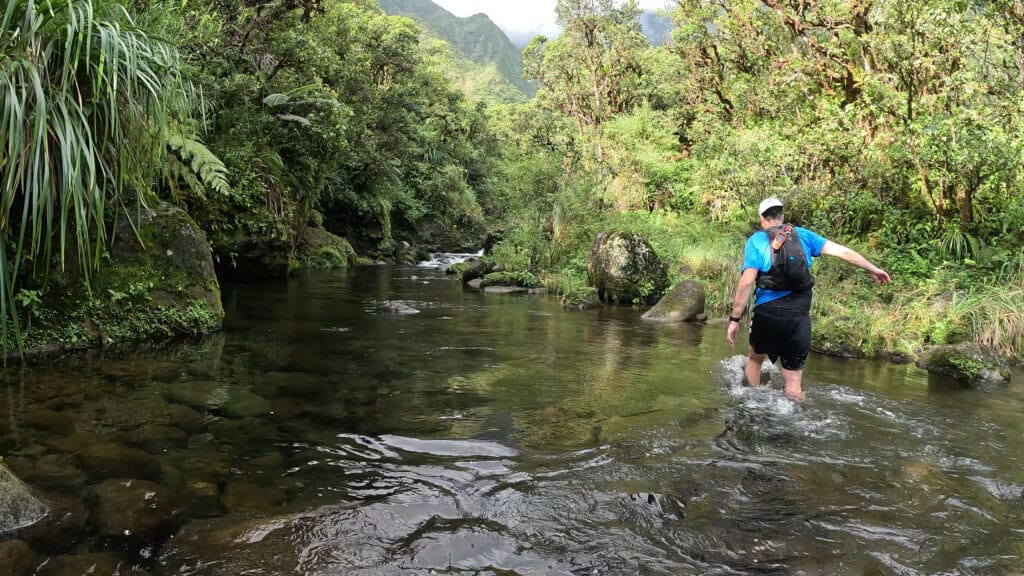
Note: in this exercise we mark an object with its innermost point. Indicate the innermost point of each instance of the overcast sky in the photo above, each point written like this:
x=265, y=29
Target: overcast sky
x=521, y=18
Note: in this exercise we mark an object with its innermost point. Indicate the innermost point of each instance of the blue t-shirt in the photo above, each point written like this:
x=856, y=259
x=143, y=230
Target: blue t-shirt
x=757, y=254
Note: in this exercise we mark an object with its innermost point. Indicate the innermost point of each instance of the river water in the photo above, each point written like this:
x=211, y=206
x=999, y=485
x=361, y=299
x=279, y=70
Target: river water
x=329, y=430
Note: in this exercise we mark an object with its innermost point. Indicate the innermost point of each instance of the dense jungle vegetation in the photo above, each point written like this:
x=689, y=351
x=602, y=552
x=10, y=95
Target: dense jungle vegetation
x=892, y=127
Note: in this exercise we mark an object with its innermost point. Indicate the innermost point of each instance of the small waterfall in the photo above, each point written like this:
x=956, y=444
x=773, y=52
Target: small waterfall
x=446, y=259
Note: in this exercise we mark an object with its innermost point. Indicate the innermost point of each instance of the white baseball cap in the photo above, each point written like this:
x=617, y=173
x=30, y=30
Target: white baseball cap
x=767, y=204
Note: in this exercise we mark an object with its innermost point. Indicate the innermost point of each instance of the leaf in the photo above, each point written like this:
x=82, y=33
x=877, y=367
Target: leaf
x=293, y=118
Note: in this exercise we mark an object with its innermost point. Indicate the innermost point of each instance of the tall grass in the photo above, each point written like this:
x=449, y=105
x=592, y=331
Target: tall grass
x=85, y=94
x=997, y=321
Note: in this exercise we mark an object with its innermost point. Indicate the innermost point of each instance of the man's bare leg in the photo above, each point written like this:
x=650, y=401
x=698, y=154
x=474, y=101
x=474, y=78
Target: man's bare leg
x=791, y=384
x=753, y=368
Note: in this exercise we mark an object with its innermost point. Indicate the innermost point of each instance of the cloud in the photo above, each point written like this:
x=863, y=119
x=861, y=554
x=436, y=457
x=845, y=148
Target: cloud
x=521, y=18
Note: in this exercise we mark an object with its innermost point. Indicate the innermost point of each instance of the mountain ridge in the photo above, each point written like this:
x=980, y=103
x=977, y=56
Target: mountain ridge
x=475, y=37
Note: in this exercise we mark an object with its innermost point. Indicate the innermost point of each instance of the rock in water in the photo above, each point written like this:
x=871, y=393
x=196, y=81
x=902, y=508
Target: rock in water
x=398, y=308
x=19, y=506
x=685, y=303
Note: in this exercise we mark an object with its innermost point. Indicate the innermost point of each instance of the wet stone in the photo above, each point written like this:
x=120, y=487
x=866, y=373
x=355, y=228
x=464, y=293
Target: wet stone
x=61, y=529
x=158, y=438
x=201, y=395
x=19, y=506
x=183, y=417
x=204, y=500
x=55, y=472
x=49, y=421
x=16, y=558
x=245, y=404
x=133, y=507
x=111, y=460
x=99, y=564
x=248, y=496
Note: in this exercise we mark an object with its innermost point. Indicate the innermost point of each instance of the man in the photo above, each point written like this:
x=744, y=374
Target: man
x=780, y=326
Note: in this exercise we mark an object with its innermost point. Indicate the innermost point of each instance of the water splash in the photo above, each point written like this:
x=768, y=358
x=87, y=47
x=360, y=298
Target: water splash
x=446, y=259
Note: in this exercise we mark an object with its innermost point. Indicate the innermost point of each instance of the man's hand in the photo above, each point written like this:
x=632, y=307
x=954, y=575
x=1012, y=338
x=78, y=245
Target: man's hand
x=730, y=333
x=881, y=276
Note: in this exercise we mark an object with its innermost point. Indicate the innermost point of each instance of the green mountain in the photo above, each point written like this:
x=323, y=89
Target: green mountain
x=476, y=38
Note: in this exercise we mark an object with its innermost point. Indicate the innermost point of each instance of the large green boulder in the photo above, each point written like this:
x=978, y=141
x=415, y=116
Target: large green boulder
x=624, y=268
x=318, y=248
x=156, y=281
x=685, y=303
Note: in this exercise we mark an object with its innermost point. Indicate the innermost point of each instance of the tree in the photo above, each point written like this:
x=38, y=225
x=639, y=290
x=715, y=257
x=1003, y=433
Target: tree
x=596, y=68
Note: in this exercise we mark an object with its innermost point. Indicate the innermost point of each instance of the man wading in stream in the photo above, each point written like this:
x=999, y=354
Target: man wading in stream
x=777, y=259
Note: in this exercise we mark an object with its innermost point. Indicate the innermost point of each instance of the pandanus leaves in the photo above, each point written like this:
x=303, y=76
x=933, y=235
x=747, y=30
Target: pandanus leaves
x=85, y=96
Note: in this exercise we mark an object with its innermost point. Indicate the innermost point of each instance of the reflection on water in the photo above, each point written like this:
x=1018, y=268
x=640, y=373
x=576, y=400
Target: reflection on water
x=327, y=431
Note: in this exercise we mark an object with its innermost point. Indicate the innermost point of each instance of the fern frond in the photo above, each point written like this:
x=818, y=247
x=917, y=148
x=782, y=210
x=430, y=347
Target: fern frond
x=203, y=163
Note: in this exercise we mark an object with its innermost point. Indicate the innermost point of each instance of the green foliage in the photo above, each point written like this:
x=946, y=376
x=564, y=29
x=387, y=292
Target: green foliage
x=194, y=164
x=595, y=68
x=523, y=247
x=87, y=93
x=509, y=278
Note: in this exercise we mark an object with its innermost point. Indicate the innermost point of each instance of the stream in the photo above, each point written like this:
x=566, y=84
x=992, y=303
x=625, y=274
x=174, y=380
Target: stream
x=383, y=420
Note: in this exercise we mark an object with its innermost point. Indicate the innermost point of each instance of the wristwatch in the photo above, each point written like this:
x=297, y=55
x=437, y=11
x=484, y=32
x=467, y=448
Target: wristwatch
x=735, y=318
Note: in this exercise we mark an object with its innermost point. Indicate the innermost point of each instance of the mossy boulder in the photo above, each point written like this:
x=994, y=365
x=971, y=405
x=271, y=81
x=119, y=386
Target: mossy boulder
x=966, y=362
x=318, y=248
x=476, y=268
x=158, y=282
x=405, y=254
x=685, y=303
x=624, y=268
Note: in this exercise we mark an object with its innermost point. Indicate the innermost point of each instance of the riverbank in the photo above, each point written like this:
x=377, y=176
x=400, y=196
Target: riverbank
x=853, y=317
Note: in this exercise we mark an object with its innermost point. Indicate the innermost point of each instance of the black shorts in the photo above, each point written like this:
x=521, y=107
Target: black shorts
x=782, y=329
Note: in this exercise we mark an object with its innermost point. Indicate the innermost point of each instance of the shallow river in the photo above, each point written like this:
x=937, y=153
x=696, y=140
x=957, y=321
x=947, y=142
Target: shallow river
x=323, y=433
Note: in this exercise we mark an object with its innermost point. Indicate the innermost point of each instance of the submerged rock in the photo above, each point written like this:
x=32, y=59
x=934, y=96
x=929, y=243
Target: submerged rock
x=685, y=303
x=16, y=558
x=112, y=460
x=61, y=529
x=99, y=564
x=398, y=308
x=19, y=505
x=624, y=268
x=132, y=507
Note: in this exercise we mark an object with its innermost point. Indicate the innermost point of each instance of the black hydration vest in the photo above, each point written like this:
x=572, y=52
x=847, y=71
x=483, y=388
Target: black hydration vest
x=789, y=269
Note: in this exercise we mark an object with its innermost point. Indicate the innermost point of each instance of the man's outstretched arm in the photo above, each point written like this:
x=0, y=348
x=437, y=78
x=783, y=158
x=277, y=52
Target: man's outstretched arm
x=851, y=256
x=739, y=302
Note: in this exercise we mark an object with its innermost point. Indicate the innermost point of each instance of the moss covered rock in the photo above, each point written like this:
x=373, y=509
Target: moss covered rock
x=965, y=362
x=158, y=282
x=685, y=303
x=624, y=268
x=318, y=248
